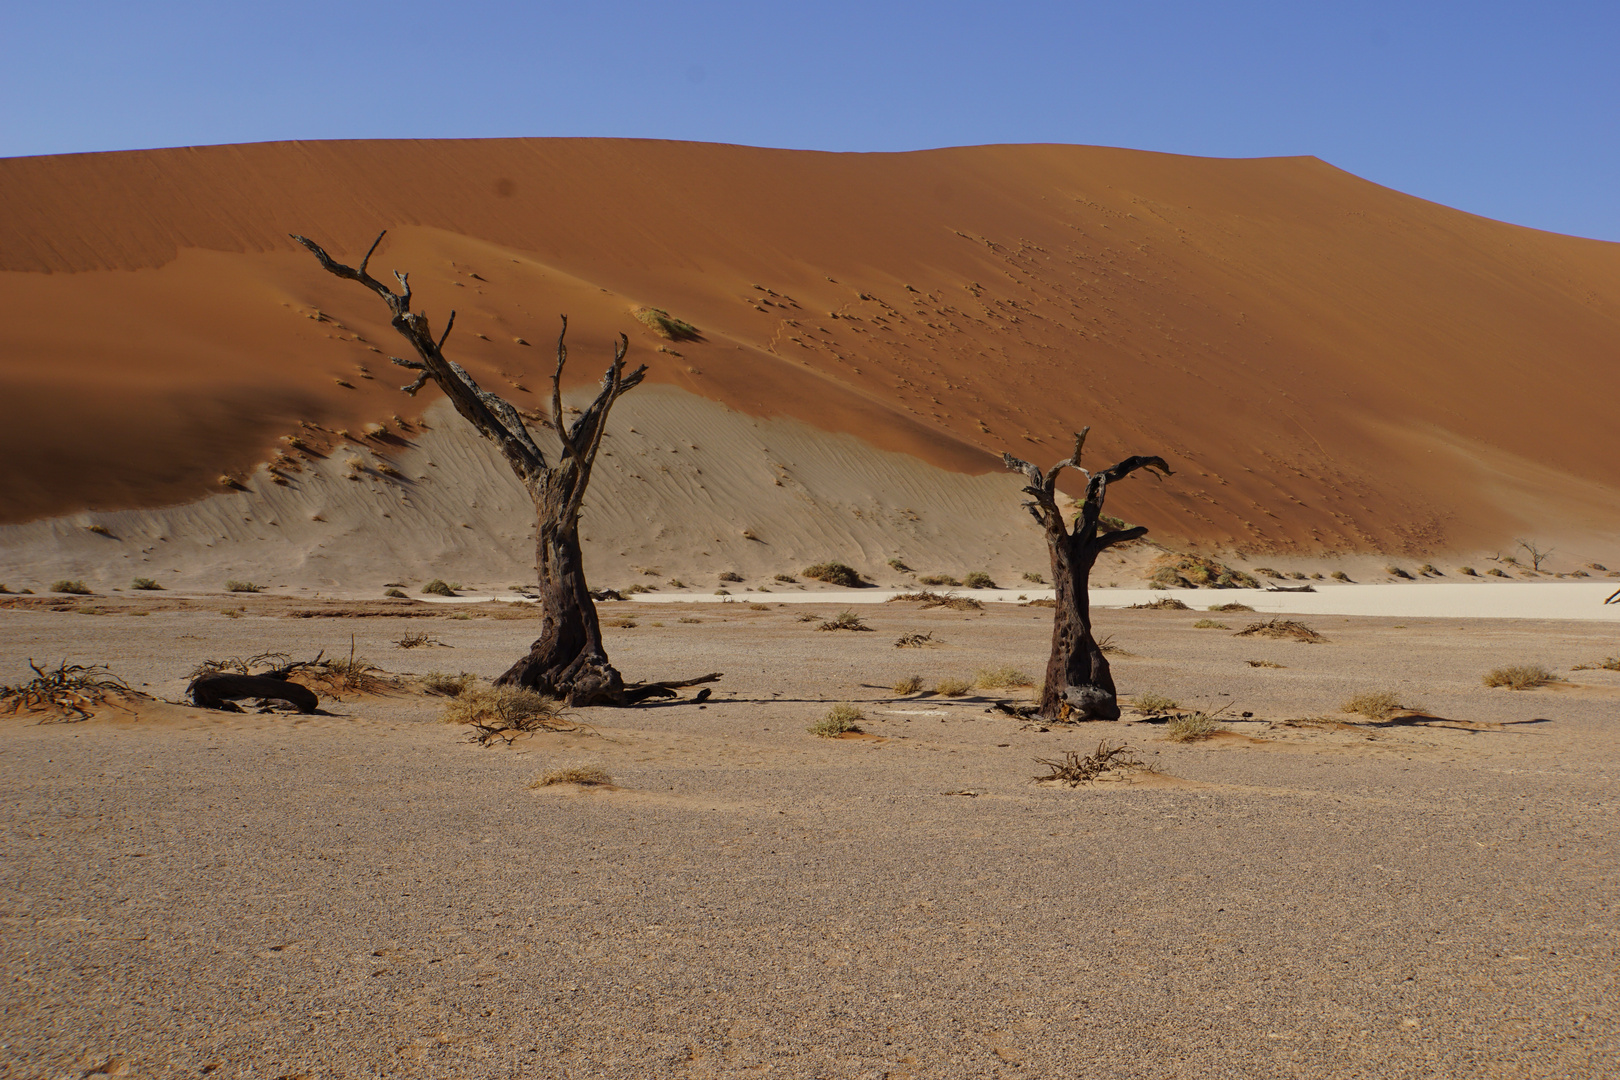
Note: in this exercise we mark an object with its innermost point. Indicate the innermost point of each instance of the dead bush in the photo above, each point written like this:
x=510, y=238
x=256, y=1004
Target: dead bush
x=908, y=685
x=951, y=687
x=834, y=573
x=1163, y=603
x=915, y=640
x=422, y=640
x=1282, y=628
x=1520, y=676
x=1373, y=704
x=65, y=692
x=1073, y=769
x=1230, y=607
x=583, y=775
x=929, y=599
x=505, y=712
x=844, y=620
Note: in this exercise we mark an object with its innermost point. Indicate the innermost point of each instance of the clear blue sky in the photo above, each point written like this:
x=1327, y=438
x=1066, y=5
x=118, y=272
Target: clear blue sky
x=1511, y=110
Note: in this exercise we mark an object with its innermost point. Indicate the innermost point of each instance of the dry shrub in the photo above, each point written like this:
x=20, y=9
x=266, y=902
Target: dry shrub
x=1001, y=678
x=145, y=584
x=1032, y=576
x=1230, y=607
x=1281, y=628
x=1468, y=571
x=1263, y=663
x=420, y=640
x=949, y=687
x=1608, y=663
x=583, y=775
x=1153, y=703
x=730, y=575
x=689, y=619
x=786, y=579
x=1040, y=603
x=437, y=587
x=1073, y=770
x=505, y=712
x=915, y=640
x=621, y=624
x=447, y=685
x=497, y=609
x=636, y=589
x=840, y=719
x=1339, y=575
x=67, y=691
x=1373, y=704
x=1163, y=603
x=1268, y=572
x=1496, y=572
x=1396, y=571
x=834, y=573
x=243, y=586
x=1191, y=727
x=930, y=599
x=978, y=579
x=845, y=620
x=908, y=685
x=899, y=564
x=939, y=579
x=666, y=325
x=1195, y=571
x=1210, y=624
x=72, y=587
x=351, y=674
x=396, y=594
x=1520, y=676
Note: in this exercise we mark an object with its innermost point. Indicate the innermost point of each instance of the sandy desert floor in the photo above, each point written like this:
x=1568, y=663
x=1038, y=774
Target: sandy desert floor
x=366, y=893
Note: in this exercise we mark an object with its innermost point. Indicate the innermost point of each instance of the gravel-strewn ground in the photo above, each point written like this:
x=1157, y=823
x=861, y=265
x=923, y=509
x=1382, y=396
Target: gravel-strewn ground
x=365, y=893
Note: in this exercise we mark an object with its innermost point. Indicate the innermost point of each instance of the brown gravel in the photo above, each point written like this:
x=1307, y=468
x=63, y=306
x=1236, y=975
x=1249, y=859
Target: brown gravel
x=366, y=893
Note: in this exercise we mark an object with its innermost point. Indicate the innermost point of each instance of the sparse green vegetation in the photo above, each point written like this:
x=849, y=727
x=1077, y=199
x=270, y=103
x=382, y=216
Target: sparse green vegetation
x=145, y=584
x=71, y=587
x=843, y=718
x=1520, y=676
x=978, y=579
x=834, y=573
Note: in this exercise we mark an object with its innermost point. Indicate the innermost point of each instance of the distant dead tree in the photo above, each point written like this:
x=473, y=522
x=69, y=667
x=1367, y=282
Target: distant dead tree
x=568, y=660
x=1079, y=685
x=1537, y=553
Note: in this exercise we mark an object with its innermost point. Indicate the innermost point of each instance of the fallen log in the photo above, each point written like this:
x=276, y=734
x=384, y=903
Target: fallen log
x=218, y=690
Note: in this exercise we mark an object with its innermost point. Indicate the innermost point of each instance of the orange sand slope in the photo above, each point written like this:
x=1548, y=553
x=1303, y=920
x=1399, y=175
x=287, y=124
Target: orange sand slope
x=1327, y=364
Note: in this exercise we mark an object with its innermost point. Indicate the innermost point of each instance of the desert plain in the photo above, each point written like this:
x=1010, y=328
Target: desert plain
x=366, y=892
x=1400, y=408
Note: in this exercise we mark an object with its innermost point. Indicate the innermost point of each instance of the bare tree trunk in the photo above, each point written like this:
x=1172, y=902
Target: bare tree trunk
x=1079, y=685
x=568, y=660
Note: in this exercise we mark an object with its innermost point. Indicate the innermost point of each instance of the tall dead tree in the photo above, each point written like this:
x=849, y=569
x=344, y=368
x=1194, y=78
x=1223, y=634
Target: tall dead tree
x=568, y=660
x=1079, y=685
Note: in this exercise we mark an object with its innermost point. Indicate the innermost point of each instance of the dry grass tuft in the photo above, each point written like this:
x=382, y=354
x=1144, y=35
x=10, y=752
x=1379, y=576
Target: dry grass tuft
x=666, y=325
x=1194, y=571
x=504, y=712
x=834, y=573
x=908, y=685
x=1373, y=704
x=419, y=640
x=145, y=584
x=1264, y=663
x=1230, y=607
x=621, y=624
x=243, y=586
x=583, y=775
x=1520, y=676
x=1073, y=770
x=72, y=587
x=1153, y=703
x=841, y=719
x=1033, y=577
x=730, y=575
x=939, y=579
x=845, y=620
x=1339, y=575
x=1210, y=624
x=1496, y=572
x=1001, y=678
x=438, y=587
x=933, y=599
x=1163, y=603
x=395, y=594
x=1282, y=628
x=978, y=579
x=67, y=691
x=786, y=579
x=1191, y=727
x=949, y=687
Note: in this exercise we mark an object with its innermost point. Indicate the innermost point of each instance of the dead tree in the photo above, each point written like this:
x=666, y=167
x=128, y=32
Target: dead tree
x=1079, y=685
x=568, y=660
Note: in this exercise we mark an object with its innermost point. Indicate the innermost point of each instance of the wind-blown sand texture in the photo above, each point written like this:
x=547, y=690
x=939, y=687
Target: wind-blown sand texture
x=1307, y=895
x=1329, y=365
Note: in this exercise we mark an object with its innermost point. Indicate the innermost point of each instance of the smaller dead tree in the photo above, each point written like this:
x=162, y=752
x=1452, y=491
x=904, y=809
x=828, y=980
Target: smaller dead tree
x=1079, y=685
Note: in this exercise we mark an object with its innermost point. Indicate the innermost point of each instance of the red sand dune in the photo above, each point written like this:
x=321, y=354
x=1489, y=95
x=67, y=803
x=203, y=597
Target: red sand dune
x=1327, y=364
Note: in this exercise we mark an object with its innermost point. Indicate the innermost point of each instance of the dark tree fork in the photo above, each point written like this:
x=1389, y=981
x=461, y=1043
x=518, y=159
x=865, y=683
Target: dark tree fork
x=1079, y=685
x=568, y=660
